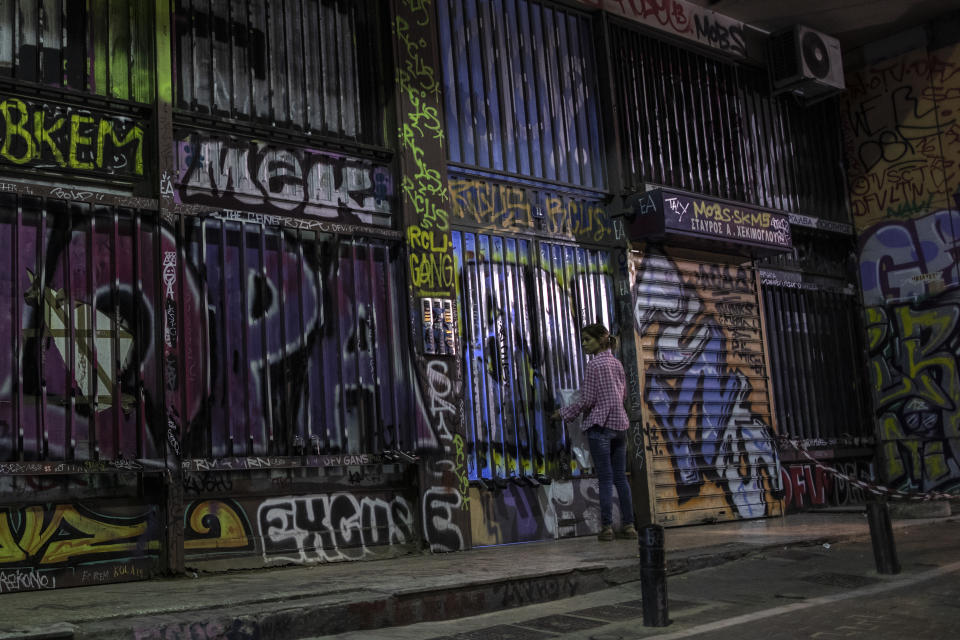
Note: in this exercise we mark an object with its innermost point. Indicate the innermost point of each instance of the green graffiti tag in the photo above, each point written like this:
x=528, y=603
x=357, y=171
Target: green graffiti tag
x=431, y=265
x=56, y=136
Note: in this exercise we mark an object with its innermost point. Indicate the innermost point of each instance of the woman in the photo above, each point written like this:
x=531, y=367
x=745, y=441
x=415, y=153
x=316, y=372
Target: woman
x=606, y=424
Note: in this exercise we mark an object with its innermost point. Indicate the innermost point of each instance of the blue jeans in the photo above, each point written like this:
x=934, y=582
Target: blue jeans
x=609, y=451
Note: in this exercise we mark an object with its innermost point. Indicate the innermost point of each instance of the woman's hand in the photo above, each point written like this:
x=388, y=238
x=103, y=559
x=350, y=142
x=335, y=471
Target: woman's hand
x=555, y=416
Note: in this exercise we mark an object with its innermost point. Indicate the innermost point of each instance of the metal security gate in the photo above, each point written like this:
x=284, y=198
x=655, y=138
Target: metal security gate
x=523, y=303
x=79, y=374
x=303, y=331
x=819, y=384
x=707, y=410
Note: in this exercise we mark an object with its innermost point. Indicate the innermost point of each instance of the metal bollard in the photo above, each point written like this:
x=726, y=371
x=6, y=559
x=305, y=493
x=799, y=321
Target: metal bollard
x=653, y=576
x=881, y=536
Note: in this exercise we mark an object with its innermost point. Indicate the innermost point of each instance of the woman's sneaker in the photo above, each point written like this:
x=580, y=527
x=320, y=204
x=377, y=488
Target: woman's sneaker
x=629, y=532
x=606, y=534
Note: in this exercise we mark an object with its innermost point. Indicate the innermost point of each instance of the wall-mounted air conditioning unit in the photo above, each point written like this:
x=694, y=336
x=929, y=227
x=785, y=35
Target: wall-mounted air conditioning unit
x=806, y=63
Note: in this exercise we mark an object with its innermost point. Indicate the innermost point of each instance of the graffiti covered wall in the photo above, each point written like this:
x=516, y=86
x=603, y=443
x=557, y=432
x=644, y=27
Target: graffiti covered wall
x=521, y=513
x=902, y=135
x=308, y=528
x=63, y=545
x=425, y=199
x=806, y=486
x=707, y=416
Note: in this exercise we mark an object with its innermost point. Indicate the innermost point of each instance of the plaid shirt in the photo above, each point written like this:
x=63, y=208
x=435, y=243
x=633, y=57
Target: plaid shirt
x=601, y=394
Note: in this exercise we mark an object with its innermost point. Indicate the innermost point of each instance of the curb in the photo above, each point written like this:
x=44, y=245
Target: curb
x=366, y=609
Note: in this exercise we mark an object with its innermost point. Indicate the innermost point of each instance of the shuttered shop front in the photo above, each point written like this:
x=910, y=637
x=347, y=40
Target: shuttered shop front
x=707, y=410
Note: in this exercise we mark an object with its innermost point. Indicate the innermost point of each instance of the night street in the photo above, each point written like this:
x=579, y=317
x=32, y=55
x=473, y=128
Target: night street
x=812, y=592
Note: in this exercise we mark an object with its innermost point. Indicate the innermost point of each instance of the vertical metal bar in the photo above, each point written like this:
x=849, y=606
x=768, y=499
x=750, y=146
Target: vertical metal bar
x=18, y=329
x=357, y=331
x=502, y=331
x=565, y=88
x=805, y=392
x=792, y=156
x=772, y=166
x=265, y=340
x=627, y=70
x=49, y=45
x=351, y=83
x=709, y=162
x=93, y=391
x=468, y=340
x=341, y=303
x=654, y=149
x=690, y=89
x=225, y=330
x=519, y=104
x=843, y=310
x=542, y=319
x=454, y=73
x=238, y=40
x=778, y=362
x=8, y=37
x=831, y=350
x=511, y=309
x=532, y=96
x=544, y=92
x=561, y=139
x=655, y=51
x=331, y=88
x=115, y=364
x=322, y=247
x=219, y=32
x=506, y=160
x=27, y=51
x=208, y=348
x=292, y=75
x=795, y=364
x=306, y=42
x=275, y=50
x=598, y=89
x=719, y=128
x=313, y=69
x=244, y=338
x=489, y=126
x=302, y=342
x=521, y=304
x=70, y=405
x=41, y=436
x=287, y=418
x=138, y=324
x=831, y=359
x=396, y=334
x=478, y=356
x=812, y=357
x=777, y=152
x=372, y=341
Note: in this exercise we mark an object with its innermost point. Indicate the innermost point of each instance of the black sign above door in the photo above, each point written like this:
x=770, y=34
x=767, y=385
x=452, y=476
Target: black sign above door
x=674, y=217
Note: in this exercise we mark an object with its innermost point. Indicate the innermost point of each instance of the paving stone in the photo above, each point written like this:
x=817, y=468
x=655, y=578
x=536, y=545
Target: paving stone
x=609, y=612
x=562, y=623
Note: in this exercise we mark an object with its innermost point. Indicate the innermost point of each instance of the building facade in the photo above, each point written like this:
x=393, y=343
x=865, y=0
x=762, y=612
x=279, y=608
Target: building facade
x=300, y=281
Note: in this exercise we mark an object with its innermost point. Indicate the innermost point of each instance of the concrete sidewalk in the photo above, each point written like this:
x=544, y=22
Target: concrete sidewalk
x=299, y=602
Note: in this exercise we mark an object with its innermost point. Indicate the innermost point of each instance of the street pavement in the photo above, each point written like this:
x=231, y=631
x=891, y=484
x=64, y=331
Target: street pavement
x=820, y=591
x=397, y=595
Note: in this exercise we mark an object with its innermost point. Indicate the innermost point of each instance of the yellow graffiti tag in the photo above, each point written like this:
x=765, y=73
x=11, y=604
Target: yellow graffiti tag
x=228, y=533
x=78, y=140
x=66, y=534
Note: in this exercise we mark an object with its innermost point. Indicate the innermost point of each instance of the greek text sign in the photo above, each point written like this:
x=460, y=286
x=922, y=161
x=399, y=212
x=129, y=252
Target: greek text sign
x=669, y=215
